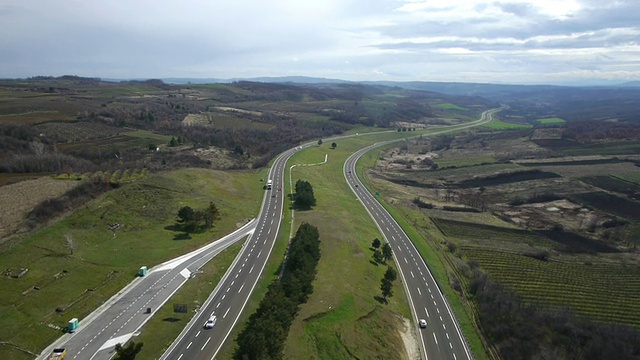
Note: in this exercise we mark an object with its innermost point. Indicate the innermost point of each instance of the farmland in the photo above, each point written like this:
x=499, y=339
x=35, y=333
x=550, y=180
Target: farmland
x=561, y=237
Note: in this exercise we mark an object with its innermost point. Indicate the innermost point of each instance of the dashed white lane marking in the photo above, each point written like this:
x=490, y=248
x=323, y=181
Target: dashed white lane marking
x=180, y=357
x=419, y=292
x=405, y=260
x=412, y=274
x=250, y=270
x=217, y=306
x=451, y=346
x=426, y=311
x=198, y=334
x=447, y=335
x=225, y=313
x=241, y=288
x=260, y=253
x=435, y=338
x=205, y=344
x=188, y=346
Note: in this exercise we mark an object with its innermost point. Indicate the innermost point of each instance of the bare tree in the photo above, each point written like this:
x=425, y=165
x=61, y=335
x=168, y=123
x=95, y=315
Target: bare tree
x=71, y=245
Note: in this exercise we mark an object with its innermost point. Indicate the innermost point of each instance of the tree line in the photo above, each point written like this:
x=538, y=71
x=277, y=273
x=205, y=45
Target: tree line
x=191, y=221
x=266, y=331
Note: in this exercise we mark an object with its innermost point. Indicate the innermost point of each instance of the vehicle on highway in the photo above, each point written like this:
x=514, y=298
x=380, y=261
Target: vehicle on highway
x=269, y=183
x=422, y=323
x=58, y=354
x=211, y=322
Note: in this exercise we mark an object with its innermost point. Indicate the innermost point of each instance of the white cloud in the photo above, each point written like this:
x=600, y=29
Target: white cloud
x=458, y=40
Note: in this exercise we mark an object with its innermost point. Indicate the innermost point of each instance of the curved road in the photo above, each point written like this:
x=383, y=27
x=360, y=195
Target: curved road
x=232, y=293
x=442, y=338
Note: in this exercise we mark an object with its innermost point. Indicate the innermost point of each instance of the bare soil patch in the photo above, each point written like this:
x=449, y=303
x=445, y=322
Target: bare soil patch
x=16, y=200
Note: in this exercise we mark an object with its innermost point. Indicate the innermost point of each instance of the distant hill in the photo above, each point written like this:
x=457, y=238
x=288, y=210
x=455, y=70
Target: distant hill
x=266, y=79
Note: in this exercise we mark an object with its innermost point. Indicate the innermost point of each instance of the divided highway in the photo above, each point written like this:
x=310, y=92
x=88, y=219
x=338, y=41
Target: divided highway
x=232, y=293
x=123, y=315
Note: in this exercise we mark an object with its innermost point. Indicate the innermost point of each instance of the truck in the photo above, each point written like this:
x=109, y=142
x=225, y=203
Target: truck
x=269, y=183
x=58, y=354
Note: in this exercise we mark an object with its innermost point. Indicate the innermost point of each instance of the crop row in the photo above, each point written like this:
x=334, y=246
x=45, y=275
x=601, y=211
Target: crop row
x=604, y=291
x=458, y=229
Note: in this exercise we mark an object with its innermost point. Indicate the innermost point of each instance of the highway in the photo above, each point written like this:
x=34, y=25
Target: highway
x=123, y=315
x=119, y=318
x=232, y=293
x=442, y=338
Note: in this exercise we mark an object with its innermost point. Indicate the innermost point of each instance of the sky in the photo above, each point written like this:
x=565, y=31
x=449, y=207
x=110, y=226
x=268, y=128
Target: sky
x=564, y=42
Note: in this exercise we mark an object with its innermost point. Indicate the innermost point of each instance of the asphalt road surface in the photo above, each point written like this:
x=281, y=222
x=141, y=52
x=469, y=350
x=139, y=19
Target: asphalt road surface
x=118, y=319
x=442, y=338
x=232, y=293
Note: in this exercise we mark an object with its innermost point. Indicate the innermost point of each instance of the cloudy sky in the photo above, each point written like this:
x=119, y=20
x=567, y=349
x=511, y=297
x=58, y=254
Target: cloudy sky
x=510, y=41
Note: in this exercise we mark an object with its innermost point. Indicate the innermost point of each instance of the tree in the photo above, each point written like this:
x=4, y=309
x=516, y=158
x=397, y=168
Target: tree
x=304, y=197
x=319, y=141
x=376, y=243
x=387, y=289
x=377, y=256
x=186, y=214
x=128, y=352
x=334, y=145
x=211, y=214
x=238, y=149
x=173, y=142
x=390, y=274
x=387, y=253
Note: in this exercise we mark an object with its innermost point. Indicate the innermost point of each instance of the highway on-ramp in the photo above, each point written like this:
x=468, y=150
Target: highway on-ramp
x=232, y=293
x=119, y=318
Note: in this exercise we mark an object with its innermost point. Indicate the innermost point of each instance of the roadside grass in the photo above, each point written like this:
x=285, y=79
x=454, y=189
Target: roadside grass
x=554, y=120
x=103, y=262
x=496, y=124
x=428, y=240
x=165, y=326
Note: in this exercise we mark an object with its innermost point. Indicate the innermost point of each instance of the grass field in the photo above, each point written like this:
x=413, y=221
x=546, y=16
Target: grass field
x=449, y=106
x=104, y=262
x=496, y=124
x=342, y=319
x=548, y=121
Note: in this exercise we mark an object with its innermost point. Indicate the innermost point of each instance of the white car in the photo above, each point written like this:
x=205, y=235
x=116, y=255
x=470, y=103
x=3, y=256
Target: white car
x=212, y=321
x=422, y=323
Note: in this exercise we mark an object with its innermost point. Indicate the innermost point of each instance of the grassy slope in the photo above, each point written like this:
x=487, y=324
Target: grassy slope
x=104, y=263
